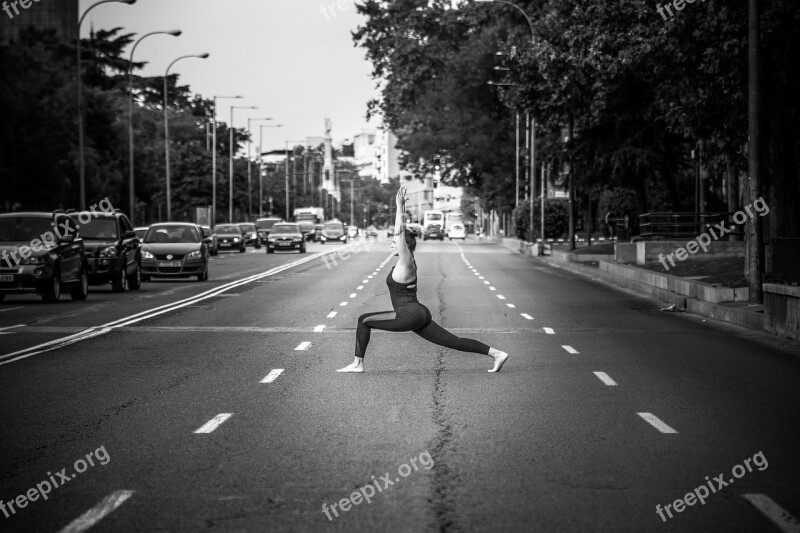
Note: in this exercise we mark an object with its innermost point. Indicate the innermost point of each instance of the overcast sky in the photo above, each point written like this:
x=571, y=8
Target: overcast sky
x=288, y=57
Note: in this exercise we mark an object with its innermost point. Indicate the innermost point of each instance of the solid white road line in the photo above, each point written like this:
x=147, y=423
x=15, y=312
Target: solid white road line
x=343, y=304
x=319, y=329
x=332, y=314
x=570, y=349
x=512, y=306
x=272, y=376
x=9, y=309
x=656, y=422
x=98, y=512
x=526, y=316
x=352, y=295
x=549, y=331
x=605, y=378
x=214, y=423
x=501, y=297
x=303, y=346
x=779, y=516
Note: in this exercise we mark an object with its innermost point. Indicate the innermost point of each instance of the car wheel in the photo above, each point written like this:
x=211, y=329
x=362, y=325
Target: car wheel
x=121, y=283
x=135, y=281
x=81, y=291
x=53, y=292
x=204, y=275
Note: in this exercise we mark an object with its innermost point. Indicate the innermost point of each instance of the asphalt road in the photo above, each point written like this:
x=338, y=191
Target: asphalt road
x=216, y=406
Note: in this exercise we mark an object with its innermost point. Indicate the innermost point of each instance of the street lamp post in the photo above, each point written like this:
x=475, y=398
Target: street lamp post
x=214, y=158
x=79, y=79
x=286, y=172
x=132, y=200
x=166, y=125
x=261, y=166
x=249, y=161
x=230, y=163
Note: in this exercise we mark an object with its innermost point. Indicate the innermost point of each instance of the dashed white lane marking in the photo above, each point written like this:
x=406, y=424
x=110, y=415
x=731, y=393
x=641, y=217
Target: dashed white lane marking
x=605, y=378
x=570, y=349
x=526, y=316
x=549, y=331
x=272, y=376
x=365, y=281
x=303, y=346
x=352, y=295
x=369, y=277
x=501, y=297
x=319, y=329
x=480, y=277
x=512, y=306
x=98, y=512
x=656, y=422
x=779, y=516
x=214, y=423
x=332, y=314
x=343, y=304
x=492, y=289
x=359, y=287
x=486, y=283
x=4, y=332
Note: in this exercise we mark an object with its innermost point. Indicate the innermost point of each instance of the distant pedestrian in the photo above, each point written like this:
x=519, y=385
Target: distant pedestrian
x=409, y=314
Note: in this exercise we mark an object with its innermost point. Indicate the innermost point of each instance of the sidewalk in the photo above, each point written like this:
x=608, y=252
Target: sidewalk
x=719, y=303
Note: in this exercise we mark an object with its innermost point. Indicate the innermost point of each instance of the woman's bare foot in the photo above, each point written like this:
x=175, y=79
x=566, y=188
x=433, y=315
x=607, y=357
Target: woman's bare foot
x=499, y=359
x=356, y=367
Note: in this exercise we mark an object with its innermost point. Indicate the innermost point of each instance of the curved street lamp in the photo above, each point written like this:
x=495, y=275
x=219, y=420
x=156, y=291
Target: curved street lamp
x=214, y=158
x=249, y=165
x=166, y=124
x=261, y=165
x=230, y=162
x=81, y=158
x=132, y=206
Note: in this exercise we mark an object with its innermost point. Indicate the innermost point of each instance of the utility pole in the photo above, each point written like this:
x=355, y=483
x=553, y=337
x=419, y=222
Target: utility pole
x=755, y=247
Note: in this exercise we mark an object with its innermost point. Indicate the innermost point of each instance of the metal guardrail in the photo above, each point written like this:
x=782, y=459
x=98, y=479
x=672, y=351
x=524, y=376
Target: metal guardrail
x=785, y=260
x=653, y=226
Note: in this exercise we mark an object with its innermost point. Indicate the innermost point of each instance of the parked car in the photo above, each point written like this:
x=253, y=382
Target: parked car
x=457, y=231
x=317, y=232
x=140, y=231
x=175, y=249
x=42, y=253
x=264, y=226
x=112, y=249
x=286, y=236
x=249, y=234
x=333, y=232
x=433, y=231
x=229, y=237
x=208, y=234
x=416, y=229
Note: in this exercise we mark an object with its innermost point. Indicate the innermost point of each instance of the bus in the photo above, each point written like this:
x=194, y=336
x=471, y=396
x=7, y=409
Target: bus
x=433, y=216
x=453, y=218
x=307, y=217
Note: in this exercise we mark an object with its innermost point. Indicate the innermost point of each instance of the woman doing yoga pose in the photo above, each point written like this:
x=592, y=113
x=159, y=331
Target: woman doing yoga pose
x=409, y=314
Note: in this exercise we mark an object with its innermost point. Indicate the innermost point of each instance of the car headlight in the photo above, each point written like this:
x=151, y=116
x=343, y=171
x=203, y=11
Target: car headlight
x=295, y=239
x=40, y=260
x=236, y=239
x=343, y=237
x=110, y=251
x=147, y=255
x=323, y=237
x=197, y=254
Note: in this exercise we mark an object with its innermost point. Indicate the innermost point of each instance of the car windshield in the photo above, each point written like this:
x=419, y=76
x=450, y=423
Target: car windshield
x=226, y=229
x=285, y=228
x=433, y=216
x=334, y=227
x=23, y=228
x=247, y=227
x=171, y=234
x=99, y=229
x=266, y=224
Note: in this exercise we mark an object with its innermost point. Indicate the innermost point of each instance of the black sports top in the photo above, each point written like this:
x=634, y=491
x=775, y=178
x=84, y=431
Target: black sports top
x=403, y=295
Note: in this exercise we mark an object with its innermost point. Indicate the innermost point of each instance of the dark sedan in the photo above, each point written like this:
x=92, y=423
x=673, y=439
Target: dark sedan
x=174, y=249
x=333, y=232
x=229, y=237
x=434, y=231
x=286, y=237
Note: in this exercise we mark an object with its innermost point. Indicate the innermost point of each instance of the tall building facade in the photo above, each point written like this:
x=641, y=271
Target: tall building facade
x=58, y=15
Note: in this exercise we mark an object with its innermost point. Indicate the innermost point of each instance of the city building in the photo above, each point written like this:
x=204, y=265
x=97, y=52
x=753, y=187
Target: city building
x=58, y=15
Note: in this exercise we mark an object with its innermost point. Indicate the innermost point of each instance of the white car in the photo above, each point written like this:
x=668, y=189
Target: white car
x=456, y=231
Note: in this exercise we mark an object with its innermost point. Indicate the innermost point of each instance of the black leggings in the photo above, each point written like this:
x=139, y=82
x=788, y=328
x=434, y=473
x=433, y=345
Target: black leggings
x=419, y=322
